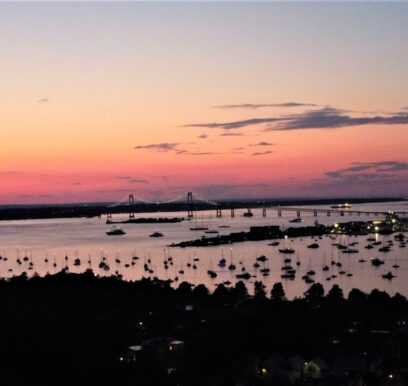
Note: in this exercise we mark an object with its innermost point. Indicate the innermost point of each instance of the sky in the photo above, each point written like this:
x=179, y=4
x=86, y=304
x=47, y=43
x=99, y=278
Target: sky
x=229, y=100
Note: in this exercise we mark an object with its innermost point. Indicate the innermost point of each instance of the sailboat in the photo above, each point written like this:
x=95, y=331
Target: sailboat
x=232, y=266
x=199, y=228
x=325, y=267
x=395, y=265
x=286, y=249
x=210, y=270
x=222, y=261
x=310, y=272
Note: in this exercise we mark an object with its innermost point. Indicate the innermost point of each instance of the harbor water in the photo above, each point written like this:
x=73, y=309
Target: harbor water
x=47, y=246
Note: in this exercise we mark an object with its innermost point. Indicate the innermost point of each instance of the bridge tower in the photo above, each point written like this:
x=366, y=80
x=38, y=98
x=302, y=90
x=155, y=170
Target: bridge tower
x=279, y=213
x=219, y=213
x=298, y=213
x=190, y=204
x=108, y=218
x=232, y=212
x=131, y=207
x=263, y=212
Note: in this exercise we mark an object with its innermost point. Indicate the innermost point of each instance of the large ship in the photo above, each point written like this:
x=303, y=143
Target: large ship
x=342, y=206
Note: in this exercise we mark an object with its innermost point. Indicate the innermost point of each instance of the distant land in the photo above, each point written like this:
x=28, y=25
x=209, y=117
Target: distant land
x=95, y=209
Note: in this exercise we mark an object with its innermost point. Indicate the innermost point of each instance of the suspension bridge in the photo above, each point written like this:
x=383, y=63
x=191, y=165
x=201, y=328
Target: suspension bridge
x=192, y=202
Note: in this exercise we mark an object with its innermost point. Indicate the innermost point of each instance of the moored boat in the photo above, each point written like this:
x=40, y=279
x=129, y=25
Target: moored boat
x=116, y=231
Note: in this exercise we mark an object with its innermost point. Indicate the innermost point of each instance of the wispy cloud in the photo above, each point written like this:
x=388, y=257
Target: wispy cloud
x=123, y=177
x=254, y=106
x=195, y=152
x=231, y=135
x=136, y=181
x=376, y=167
x=332, y=118
x=165, y=146
x=323, y=118
x=263, y=143
x=234, y=124
x=43, y=100
x=202, y=136
x=263, y=153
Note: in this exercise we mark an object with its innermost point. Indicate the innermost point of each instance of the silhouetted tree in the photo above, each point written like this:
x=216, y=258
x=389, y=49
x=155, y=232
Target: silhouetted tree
x=398, y=299
x=277, y=292
x=184, y=289
x=200, y=291
x=377, y=296
x=335, y=294
x=259, y=290
x=315, y=292
x=357, y=296
x=221, y=291
x=240, y=291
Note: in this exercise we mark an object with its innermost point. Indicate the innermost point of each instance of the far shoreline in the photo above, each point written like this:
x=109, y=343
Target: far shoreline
x=98, y=209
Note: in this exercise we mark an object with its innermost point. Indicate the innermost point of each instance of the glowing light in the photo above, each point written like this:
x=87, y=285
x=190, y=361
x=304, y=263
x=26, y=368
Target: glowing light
x=264, y=371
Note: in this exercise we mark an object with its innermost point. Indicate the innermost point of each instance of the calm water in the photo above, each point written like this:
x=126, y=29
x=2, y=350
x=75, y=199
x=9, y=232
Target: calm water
x=56, y=238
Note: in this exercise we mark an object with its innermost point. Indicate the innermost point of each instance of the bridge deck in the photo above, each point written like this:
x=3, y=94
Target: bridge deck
x=332, y=210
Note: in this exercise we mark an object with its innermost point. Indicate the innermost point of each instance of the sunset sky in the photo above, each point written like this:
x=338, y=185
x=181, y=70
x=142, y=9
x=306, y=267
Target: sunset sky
x=98, y=100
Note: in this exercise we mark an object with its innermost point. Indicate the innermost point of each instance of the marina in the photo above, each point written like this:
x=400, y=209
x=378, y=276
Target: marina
x=51, y=245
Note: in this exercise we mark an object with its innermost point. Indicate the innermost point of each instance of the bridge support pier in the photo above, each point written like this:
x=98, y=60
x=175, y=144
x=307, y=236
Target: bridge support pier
x=328, y=214
x=279, y=213
x=219, y=213
x=108, y=218
x=232, y=212
x=298, y=213
x=131, y=207
x=190, y=205
x=263, y=212
x=341, y=213
x=315, y=213
x=350, y=213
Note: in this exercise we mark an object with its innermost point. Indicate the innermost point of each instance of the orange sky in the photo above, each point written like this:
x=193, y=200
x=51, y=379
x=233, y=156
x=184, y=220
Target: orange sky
x=87, y=83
